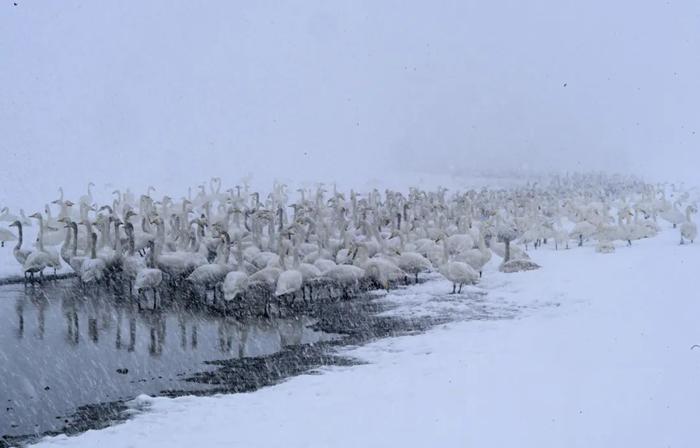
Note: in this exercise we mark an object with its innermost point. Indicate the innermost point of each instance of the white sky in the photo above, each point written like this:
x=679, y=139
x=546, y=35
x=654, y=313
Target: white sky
x=171, y=93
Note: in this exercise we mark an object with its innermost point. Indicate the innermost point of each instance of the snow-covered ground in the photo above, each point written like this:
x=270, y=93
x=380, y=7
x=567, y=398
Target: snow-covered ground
x=598, y=354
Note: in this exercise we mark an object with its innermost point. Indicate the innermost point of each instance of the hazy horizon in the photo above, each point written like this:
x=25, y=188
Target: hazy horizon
x=172, y=93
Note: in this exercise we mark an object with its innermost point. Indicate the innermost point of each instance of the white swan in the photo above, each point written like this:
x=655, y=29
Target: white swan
x=6, y=235
x=459, y=273
x=54, y=257
x=93, y=268
x=149, y=277
x=476, y=258
x=689, y=230
x=211, y=274
x=291, y=280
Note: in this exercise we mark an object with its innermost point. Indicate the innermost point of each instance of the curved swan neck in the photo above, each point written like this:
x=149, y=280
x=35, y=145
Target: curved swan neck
x=20, y=236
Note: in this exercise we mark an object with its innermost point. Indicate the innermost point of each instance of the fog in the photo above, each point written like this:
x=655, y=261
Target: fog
x=171, y=93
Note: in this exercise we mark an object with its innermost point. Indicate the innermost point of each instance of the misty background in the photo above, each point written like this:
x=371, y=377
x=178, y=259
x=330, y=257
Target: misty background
x=170, y=93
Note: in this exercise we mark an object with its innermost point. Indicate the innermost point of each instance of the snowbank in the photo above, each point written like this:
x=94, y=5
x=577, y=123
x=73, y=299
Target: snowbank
x=591, y=350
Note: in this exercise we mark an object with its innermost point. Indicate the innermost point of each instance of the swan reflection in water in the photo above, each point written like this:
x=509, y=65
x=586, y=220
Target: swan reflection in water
x=122, y=322
x=67, y=348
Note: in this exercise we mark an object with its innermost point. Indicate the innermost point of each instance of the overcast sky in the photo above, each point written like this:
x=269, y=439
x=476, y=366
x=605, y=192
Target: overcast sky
x=170, y=93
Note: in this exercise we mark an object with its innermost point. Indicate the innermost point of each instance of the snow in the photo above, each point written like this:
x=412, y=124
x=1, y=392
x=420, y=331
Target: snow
x=591, y=350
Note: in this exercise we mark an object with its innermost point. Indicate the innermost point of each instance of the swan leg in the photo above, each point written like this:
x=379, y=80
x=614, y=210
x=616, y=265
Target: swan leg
x=460, y=289
x=454, y=288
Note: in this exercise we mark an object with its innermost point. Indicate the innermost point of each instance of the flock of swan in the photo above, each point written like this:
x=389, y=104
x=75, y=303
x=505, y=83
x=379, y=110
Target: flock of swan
x=297, y=245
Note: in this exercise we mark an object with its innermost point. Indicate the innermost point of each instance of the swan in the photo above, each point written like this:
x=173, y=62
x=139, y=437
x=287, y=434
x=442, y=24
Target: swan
x=689, y=230
x=582, y=230
x=93, y=268
x=211, y=274
x=459, y=273
x=131, y=263
x=149, y=277
x=6, y=235
x=31, y=261
x=673, y=215
x=74, y=260
x=5, y=215
x=290, y=281
x=411, y=262
x=54, y=257
x=346, y=276
x=235, y=284
x=66, y=246
x=381, y=270
x=476, y=258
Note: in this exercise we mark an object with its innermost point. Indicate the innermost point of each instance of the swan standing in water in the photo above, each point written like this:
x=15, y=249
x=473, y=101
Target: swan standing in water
x=31, y=261
x=54, y=258
x=131, y=263
x=75, y=261
x=93, y=268
x=149, y=277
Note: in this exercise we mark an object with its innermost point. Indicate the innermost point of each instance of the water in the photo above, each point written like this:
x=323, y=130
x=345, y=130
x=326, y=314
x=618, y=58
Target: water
x=62, y=349
x=70, y=359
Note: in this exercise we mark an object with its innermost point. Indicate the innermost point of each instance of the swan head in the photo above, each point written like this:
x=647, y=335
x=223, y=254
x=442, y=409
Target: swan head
x=36, y=215
x=15, y=224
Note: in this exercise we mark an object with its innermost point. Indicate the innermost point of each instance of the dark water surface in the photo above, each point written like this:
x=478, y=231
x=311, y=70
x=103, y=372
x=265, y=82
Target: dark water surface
x=61, y=349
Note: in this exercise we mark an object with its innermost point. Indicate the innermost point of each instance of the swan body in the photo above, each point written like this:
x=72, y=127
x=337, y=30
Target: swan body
x=6, y=235
x=235, y=284
x=19, y=253
x=36, y=261
x=459, y=273
x=148, y=278
x=92, y=269
x=414, y=263
x=288, y=282
x=689, y=230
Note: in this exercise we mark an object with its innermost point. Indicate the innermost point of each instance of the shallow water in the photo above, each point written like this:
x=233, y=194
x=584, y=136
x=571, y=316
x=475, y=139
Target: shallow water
x=62, y=348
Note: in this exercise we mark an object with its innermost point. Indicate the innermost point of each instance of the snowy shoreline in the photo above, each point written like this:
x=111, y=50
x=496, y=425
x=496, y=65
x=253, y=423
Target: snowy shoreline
x=601, y=356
